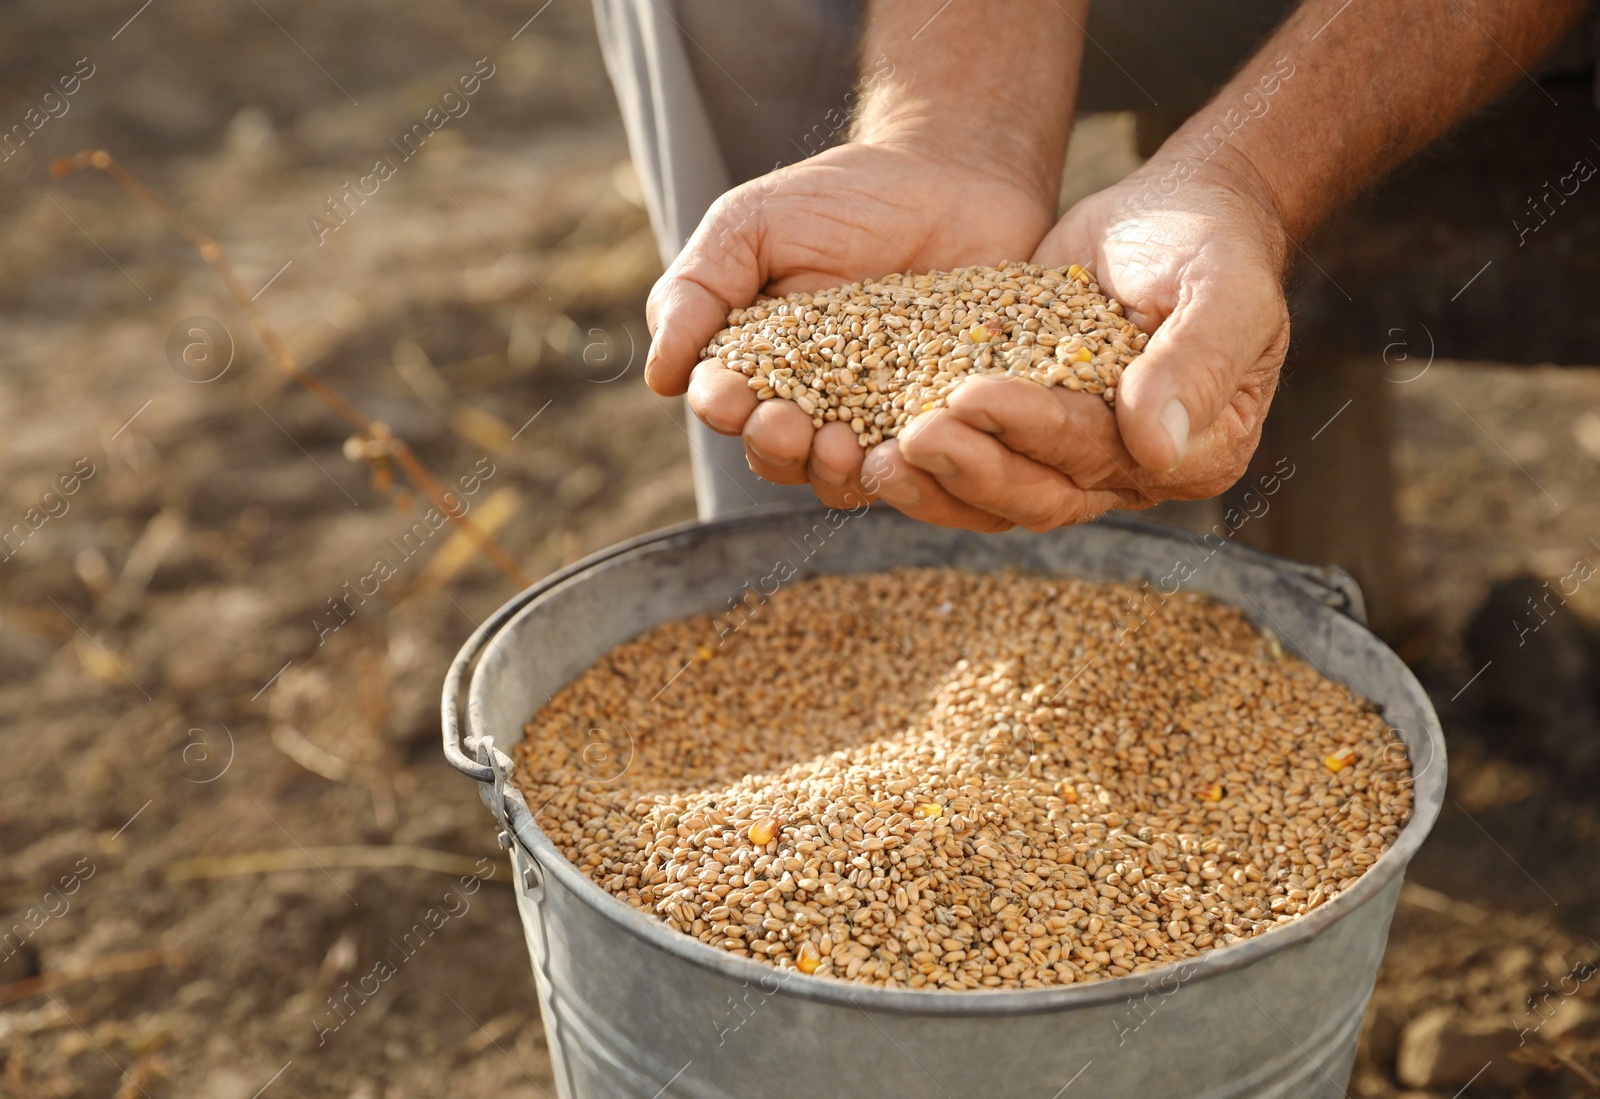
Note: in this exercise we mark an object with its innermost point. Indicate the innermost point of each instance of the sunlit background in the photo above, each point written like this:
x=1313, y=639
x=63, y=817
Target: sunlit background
x=222, y=640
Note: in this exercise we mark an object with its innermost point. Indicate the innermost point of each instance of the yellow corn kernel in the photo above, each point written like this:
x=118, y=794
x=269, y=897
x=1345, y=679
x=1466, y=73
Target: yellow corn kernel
x=1211, y=792
x=1067, y=792
x=1338, y=761
x=1082, y=355
x=1077, y=273
x=704, y=652
x=762, y=831
x=980, y=333
x=809, y=958
x=929, y=406
x=928, y=810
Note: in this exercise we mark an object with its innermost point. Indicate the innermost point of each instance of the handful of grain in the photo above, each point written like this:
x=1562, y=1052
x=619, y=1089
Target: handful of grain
x=950, y=780
x=874, y=354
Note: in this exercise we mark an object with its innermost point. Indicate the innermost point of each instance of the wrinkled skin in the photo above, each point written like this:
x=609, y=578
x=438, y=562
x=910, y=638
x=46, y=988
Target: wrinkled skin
x=1199, y=269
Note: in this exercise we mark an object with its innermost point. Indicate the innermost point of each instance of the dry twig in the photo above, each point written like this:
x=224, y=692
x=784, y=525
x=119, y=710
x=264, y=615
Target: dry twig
x=1420, y=896
x=323, y=858
x=105, y=966
x=374, y=442
x=1591, y=1083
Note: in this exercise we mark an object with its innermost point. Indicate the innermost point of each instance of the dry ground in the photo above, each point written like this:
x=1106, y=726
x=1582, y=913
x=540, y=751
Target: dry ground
x=170, y=686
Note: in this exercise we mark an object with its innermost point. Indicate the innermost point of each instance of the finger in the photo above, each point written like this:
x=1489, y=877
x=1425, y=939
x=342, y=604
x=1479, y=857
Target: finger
x=836, y=454
x=777, y=442
x=1073, y=432
x=721, y=396
x=983, y=472
x=886, y=475
x=1069, y=242
x=718, y=270
x=835, y=468
x=1194, y=364
x=683, y=316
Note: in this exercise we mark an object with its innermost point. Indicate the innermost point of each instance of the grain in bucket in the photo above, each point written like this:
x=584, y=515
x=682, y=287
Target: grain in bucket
x=631, y=1003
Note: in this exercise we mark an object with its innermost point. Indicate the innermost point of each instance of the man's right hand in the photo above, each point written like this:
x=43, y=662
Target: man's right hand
x=857, y=211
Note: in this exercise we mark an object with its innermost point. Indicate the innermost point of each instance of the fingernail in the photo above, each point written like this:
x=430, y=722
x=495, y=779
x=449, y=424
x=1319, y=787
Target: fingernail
x=902, y=494
x=938, y=464
x=1175, y=418
x=826, y=475
x=878, y=469
x=719, y=425
x=978, y=418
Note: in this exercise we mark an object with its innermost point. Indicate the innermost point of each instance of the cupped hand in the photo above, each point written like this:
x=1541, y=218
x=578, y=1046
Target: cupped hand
x=857, y=211
x=1199, y=268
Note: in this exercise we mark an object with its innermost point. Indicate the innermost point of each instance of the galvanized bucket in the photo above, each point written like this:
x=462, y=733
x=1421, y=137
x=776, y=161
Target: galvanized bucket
x=634, y=1010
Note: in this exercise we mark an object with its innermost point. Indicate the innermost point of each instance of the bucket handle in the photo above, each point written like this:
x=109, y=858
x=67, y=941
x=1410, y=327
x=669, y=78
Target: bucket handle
x=480, y=764
x=1329, y=585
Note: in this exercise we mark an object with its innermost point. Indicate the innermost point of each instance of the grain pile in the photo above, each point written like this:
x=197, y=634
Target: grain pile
x=939, y=779
x=874, y=354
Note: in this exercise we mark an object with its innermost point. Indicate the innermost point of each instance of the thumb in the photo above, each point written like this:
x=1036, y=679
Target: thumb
x=718, y=270
x=1193, y=366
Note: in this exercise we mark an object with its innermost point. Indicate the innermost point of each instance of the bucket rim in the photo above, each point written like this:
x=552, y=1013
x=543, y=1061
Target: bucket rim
x=1428, y=799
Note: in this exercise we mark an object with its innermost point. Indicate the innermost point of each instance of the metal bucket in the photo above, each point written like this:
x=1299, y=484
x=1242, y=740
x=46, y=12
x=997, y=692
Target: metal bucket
x=634, y=1009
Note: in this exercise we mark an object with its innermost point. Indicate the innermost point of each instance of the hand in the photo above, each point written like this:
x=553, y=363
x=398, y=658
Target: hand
x=1198, y=269
x=856, y=211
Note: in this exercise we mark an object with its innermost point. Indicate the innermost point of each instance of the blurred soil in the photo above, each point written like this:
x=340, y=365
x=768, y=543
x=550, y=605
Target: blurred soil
x=175, y=695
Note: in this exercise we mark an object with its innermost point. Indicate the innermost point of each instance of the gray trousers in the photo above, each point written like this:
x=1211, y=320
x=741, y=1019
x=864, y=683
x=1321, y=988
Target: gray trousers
x=717, y=92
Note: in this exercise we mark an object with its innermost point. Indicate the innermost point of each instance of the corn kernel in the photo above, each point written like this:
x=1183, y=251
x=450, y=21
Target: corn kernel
x=1082, y=355
x=980, y=333
x=809, y=958
x=704, y=652
x=1338, y=761
x=928, y=810
x=1067, y=792
x=928, y=406
x=1077, y=273
x=762, y=831
x=1211, y=792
